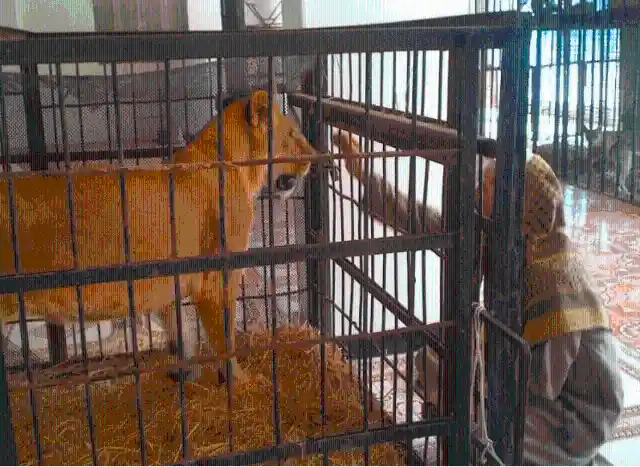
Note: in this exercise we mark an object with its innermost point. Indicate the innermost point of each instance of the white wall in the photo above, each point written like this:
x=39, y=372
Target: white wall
x=204, y=15
x=320, y=13
x=8, y=14
x=78, y=15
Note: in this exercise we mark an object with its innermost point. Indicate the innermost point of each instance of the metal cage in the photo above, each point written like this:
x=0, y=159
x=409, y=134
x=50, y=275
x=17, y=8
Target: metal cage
x=133, y=104
x=583, y=72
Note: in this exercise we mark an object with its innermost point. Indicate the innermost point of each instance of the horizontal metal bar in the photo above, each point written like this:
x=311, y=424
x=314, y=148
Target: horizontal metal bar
x=400, y=113
x=394, y=130
x=117, y=366
x=146, y=150
x=433, y=427
x=9, y=34
x=443, y=156
x=394, y=344
x=159, y=46
x=125, y=101
x=235, y=260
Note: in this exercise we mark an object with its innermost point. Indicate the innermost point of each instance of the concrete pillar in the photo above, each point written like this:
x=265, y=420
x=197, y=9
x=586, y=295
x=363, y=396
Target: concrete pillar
x=8, y=14
x=292, y=14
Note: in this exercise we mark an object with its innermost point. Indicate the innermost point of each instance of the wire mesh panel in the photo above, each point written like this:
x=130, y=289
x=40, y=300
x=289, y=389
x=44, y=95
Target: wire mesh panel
x=309, y=310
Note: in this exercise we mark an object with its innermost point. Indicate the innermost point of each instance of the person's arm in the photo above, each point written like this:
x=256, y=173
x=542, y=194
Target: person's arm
x=386, y=204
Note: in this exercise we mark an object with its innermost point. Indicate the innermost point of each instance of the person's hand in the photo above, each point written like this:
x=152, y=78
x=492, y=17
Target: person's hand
x=488, y=186
x=347, y=144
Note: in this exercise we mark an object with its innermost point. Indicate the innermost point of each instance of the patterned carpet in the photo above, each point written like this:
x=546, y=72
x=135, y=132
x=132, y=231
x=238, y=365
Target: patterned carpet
x=606, y=231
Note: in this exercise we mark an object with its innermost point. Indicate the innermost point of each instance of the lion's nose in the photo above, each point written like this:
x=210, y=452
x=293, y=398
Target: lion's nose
x=286, y=182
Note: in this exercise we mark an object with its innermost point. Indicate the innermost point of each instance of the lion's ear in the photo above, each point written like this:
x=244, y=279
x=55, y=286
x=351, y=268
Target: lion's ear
x=258, y=109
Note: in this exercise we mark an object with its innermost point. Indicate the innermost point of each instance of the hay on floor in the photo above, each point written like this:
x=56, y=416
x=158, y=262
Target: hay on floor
x=65, y=434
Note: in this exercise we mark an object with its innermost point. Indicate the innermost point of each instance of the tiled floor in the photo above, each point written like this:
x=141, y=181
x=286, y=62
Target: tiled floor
x=607, y=232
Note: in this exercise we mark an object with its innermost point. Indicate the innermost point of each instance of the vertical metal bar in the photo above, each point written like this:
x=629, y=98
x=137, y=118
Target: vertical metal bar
x=174, y=255
x=360, y=84
x=127, y=254
x=136, y=142
x=396, y=287
x=272, y=268
x=287, y=237
x=222, y=183
x=466, y=243
x=24, y=334
x=316, y=207
x=364, y=260
x=244, y=303
x=602, y=107
x=108, y=122
x=493, y=82
x=100, y=340
x=320, y=142
x=368, y=146
x=605, y=153
x=482, y=94
x=353, y=233
x=634, y=139
x=508, y=213
x=556, y=127
x=623, y=122
x=384, y=257
x=424, y=82
x=186, y=98
x=342, y=216
x=161, y=117
x=334, y=229
x=4, y=136
x=265, y=292
x=350, y=77
x=125, y=326
x=565, y=102
x=412, y=228
x=440, y=82
x=52, y=95
x=8, y=455
x=589, y=162
x=536, y=89
x=56, y=335
x=520, y=77
x=74, y=248
x=33, y=114
x=80, y=119
x=580, y=111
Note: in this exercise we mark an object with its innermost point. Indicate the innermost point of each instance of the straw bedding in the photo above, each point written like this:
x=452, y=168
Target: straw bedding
x=65, y=434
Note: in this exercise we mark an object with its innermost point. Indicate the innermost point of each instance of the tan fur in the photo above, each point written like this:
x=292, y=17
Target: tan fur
x=44, y=223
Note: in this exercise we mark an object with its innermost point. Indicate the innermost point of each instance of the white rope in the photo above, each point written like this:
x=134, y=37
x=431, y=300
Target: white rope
x=478, y=366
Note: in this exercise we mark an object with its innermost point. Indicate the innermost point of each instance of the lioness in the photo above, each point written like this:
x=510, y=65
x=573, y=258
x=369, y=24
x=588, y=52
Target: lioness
x=45, y=239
